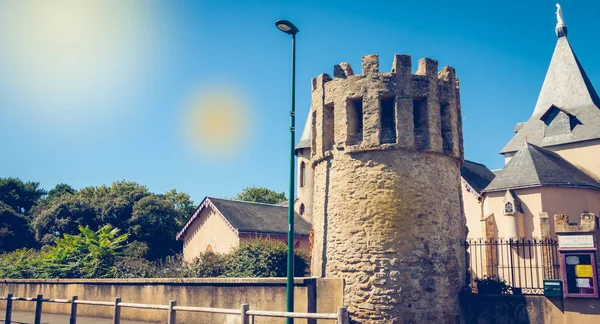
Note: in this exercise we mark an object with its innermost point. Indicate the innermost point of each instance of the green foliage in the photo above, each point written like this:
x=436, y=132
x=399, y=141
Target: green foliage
x=492, y=285
x=184, y=206
x=61, y=215
x=103, y=254
x=262, y=258
x=261, y=195
x=19, y=195
x=90, y=254
x=59, y=190
x=208, y=265
x=20, y=264
x=14, y=230
x=154, y=221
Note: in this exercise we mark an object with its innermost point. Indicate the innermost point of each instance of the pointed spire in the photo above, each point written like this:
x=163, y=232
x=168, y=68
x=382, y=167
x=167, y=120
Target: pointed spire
x=561, y=27
x=568, y=89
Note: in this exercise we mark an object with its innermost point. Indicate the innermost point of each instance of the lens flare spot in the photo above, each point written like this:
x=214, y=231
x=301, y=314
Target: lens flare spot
x=217, y=122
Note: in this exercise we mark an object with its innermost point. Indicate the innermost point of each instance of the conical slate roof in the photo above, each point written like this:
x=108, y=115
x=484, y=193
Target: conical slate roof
x=567, y=99
x=534, y=166
x=306, y=137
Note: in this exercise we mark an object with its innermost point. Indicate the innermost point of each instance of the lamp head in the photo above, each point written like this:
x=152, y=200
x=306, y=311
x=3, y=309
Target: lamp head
x=286, y=26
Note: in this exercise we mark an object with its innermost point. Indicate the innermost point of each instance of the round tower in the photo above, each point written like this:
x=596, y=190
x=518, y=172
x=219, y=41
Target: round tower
x=386, y=150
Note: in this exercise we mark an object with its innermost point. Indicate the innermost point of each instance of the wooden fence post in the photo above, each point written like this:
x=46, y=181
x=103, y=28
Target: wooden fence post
x=73, y=319
x=9, y=302
x=172, y=314
x=117, y=315
x=38, y=309
x=342, y=314
x=245, y=319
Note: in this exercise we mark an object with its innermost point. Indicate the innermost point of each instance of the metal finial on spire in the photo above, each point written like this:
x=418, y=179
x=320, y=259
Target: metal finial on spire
x=561, y=27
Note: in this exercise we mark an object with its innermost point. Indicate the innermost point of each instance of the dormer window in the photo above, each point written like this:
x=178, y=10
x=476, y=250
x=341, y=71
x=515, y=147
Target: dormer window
x=558, y=122
x=509, y=208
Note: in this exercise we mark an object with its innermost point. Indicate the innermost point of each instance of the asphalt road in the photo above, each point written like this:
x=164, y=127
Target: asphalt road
x=27, y=318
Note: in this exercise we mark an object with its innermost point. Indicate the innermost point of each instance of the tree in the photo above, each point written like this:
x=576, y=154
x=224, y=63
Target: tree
x=114, y=204
x=261, y=195
x=61, y=215
x=154, y=221
x=183, y=205
x=59, y=190
x=19, y=195
x=14, y=230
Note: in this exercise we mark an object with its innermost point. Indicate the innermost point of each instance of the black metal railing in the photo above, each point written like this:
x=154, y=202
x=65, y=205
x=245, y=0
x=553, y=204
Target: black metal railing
x=522, y=263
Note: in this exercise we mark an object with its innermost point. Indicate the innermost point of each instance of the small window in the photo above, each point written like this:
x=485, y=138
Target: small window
x=313, y=131
x=388, y=120
x=509, y=208
x=302, y=174
x=355, y=121
x=208, y=249
x=302, y=209
x=297, y=245
x=421, y=123
x=328, y=127
x=446, y=124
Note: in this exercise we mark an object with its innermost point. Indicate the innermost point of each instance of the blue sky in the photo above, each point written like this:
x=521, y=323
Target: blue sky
x=94, y=93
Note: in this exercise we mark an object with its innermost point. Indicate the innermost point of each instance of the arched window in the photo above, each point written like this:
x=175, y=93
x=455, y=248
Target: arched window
x=302, y=174
x=302, y=209
x=508, y=208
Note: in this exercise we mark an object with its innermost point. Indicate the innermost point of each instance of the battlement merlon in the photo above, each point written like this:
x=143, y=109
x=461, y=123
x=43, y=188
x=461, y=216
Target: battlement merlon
x=424, y=108
x=588, y=223
x=402, y=65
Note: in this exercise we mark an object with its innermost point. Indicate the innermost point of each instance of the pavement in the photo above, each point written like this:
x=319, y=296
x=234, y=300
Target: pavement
x=27, y=318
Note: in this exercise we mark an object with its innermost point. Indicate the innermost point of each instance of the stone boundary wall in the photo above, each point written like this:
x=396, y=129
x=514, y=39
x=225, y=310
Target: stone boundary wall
x=311, y=294
x=513, y=309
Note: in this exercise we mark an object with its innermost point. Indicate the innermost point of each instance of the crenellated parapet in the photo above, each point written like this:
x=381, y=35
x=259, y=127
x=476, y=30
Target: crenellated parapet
x=386, y=110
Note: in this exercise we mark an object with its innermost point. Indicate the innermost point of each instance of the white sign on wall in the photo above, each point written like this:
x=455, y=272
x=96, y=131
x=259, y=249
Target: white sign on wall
x=575, y=241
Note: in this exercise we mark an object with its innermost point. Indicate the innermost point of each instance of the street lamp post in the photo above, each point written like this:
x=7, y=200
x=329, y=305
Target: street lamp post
x=289, y=28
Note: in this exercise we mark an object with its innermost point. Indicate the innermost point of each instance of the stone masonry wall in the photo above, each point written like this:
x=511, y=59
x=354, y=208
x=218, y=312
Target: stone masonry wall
x=388, y=217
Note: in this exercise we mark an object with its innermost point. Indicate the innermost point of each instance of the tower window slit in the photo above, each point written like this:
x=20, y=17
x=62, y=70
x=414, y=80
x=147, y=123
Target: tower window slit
x=421, y=123
x=355, y=120
x=388, y=120
x=446, y=117
x=302, y=174
x=313, y=130
x=328, y=127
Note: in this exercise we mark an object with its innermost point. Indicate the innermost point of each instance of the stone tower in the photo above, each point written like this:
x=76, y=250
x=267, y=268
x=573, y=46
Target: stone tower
x=386, y=150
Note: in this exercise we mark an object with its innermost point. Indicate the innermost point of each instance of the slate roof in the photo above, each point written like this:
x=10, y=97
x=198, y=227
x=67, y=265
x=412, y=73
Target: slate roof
x=477, y=175
x=252, y=218
x=568, y=88
x=534, y=166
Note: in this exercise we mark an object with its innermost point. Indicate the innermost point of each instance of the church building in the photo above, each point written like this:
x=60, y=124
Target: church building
x=552, y=163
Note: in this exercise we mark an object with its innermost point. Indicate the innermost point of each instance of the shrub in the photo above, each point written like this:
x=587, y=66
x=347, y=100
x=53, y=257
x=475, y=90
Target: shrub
x=207, y=265
x=103, y=254
x=86, y=255
x=262, y=258
x=492, y=285
x=20, y=264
